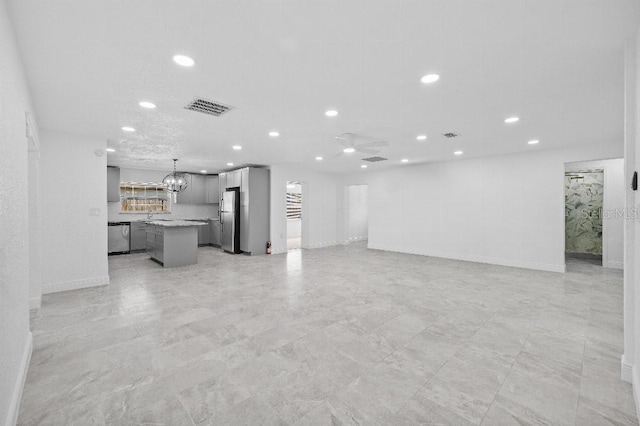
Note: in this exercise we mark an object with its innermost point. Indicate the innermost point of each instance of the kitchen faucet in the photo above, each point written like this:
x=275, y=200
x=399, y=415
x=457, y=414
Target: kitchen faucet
x=149, y=215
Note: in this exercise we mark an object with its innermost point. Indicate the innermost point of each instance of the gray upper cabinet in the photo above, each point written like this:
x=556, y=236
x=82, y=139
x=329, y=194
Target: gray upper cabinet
x=212, y=190
x=195, y=192
x=113, y=184
x=197, y=189
x=222, y=184
x=244, y=179
x=186, y=196
x=233, y=179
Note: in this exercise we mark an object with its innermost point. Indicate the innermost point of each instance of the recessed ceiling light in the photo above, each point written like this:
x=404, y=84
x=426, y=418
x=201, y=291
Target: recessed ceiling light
x=533, y=142
x=430, y=78
x=274, y=134
x=458, y=153
x=331, y=113
x=421, y=137
x=364, y=166
x=229, y=164
x=128, y=129
x=349, y=150
x=183, y=60
x=319, y=158
x=512, y=120
x=405, y=160
x=237, y=147
x=145, y=104
x=110, y=150
x=203, y=171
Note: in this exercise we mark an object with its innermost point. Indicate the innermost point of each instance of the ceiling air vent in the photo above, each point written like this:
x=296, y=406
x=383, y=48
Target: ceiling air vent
x=206, y=106
x=374, y=159
x=450, y=135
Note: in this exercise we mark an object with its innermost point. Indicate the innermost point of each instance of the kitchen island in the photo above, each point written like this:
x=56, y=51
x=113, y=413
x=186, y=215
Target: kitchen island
x=173, y=242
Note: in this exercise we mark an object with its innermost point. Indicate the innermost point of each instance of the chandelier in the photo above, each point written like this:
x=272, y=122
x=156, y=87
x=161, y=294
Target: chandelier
x=175, y=182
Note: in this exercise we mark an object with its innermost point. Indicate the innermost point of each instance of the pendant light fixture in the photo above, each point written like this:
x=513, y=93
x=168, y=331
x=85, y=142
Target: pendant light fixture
x=175, y=182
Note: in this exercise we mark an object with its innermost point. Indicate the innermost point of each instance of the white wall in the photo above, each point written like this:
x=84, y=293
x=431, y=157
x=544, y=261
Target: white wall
x=613, y=205
x=505, y=210
x=631, y=123
x=319, y=208
x=74, y=199
x=630, y=361
x=15, y=338
x=357, y=212
x=35, y=227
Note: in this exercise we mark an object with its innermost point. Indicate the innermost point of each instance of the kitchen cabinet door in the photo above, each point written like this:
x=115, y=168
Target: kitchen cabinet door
x=212, y=189
x=138, y=235
x=204, y=235
x=214, y=227
x=222, y=183
x=113, y=184
x=244, y=180
x=197, y=189
x=186, y=196
x=233, y=179
x=258, y=210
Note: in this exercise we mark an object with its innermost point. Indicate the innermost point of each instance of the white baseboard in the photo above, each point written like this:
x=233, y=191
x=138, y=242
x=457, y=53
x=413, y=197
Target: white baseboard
x=74, y=285
x=626, y=370
x=321, y=244
x=636, y=392
x=16, y=397
x=614, y=265
x=473, y=258
x=35, y=303
x=354, y=239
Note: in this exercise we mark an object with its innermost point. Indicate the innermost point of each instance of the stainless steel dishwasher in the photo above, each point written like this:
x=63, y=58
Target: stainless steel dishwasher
x=118, y=237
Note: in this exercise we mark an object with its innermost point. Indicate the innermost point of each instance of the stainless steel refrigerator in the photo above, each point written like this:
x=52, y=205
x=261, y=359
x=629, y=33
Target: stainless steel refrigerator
x=230, y=220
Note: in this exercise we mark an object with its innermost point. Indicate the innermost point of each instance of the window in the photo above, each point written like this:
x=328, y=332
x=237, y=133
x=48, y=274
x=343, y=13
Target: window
x=294, y=205
x=137, y=197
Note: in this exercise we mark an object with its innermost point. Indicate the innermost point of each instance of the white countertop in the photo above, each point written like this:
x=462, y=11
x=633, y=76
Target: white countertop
x=172, y=223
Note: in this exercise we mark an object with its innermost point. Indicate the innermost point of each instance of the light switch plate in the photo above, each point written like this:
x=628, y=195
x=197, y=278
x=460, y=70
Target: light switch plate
x=94, y=212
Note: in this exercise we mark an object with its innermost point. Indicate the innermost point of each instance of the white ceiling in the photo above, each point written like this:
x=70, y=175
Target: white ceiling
x=557, y=64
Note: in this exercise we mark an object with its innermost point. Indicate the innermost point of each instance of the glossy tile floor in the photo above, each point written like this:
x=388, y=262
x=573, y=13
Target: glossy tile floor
x=340, y=335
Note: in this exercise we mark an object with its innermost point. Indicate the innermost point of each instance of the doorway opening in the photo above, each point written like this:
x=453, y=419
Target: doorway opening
x=294, y=216
x=357, y=213
x=594, y=205
x=584, y=199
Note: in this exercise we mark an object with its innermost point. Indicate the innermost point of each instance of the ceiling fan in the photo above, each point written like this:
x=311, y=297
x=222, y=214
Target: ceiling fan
x=349, y=145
